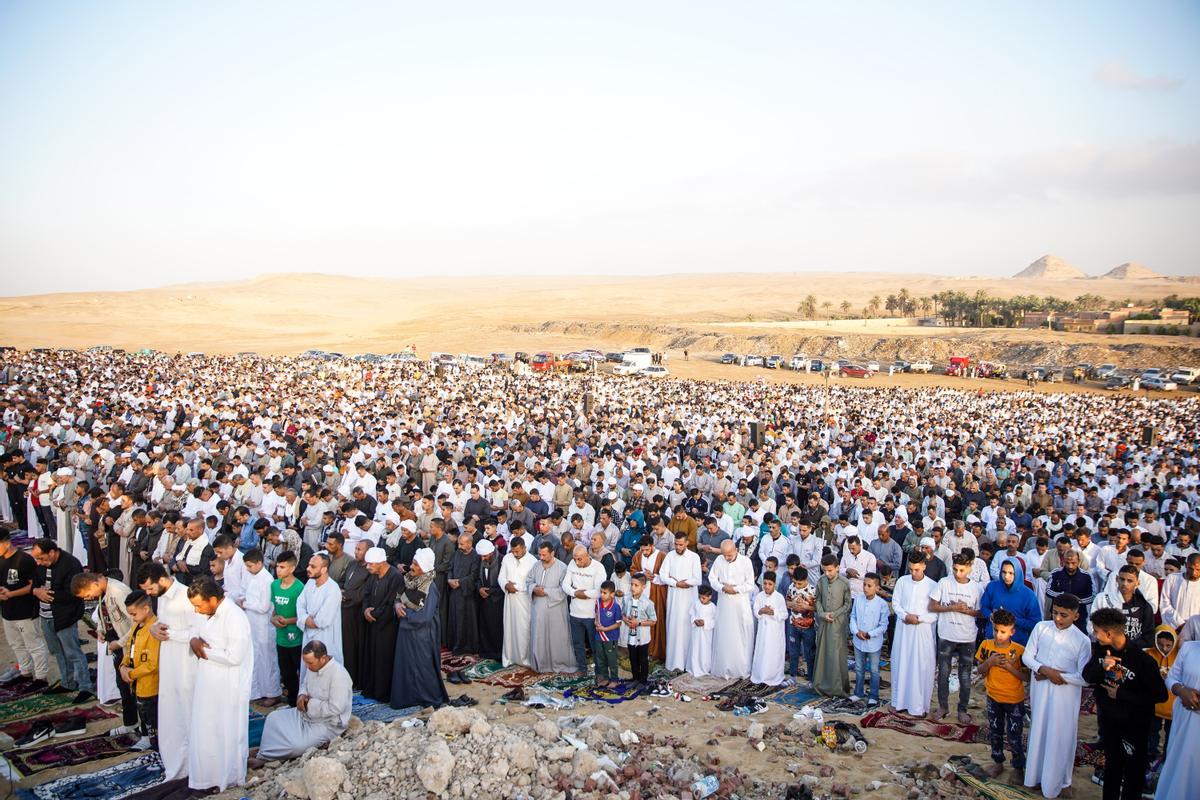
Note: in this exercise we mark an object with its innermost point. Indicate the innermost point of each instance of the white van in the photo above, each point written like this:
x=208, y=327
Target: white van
x=1186, y=375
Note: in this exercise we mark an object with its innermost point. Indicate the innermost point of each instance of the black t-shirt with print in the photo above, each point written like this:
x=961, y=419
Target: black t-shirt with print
x=16, y=571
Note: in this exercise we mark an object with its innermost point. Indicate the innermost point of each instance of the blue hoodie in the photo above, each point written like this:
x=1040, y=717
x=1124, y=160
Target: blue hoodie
x=1018, y=598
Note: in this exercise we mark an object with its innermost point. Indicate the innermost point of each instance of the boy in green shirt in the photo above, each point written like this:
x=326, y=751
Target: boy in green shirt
x=288, y=636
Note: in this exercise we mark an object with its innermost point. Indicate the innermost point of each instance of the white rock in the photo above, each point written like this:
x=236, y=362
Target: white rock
x=436, y=766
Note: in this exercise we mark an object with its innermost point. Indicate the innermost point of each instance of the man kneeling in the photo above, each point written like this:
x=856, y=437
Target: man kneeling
x=321, y=713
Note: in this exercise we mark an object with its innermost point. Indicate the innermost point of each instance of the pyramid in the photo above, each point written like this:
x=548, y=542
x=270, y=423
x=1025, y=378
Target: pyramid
x=1050, y=267
x=1130, y=271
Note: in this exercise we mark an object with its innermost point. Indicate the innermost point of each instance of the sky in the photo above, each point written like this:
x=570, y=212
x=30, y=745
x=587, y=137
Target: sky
x=149, y=143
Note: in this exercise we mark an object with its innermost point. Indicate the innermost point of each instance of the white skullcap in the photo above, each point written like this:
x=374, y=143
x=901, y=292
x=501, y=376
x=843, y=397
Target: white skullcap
x=179, y=487
x=408, y=525
x=64, y=472
x=375, y=555
x=949, y=493
x=637, y=487
x=485, y=548
x=424, y=559
x=928, y=542
x=328, y=468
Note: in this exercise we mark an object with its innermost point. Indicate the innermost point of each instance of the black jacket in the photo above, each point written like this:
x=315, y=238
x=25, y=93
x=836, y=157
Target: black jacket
x=1140, y=685
x=66, y=608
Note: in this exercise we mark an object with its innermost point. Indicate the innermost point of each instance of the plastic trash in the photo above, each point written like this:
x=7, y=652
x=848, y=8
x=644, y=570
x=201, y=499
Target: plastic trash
x=705, y=787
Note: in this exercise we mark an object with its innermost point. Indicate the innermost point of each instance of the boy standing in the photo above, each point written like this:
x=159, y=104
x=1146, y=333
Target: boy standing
x=771, y=641
x=285, y=590
x=912, y=648
x=830, y=677
x=608, y=630
x=801, y=598
x=639, y=622
x=1056, y=654
x=703, y=617
x=956, y=602
x=140, y=669
x=1004, y=678
x=1127, y=685
x=1166, y=648
x=868, y=624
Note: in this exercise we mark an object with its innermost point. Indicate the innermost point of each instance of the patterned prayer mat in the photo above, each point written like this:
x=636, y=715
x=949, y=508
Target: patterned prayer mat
x=34, y=705
x=616, y=693
x=1086, y=755
x=661, y=673
x=839, y=705
x=481, y=669
x=15, y=730
x=993, y=789
x=745, y=686
x=950, y=731
x=368, y=710
x=1087, y=702
x=256, y=723
x=560, y=683
x=453, y=663
x=70, y=753
x=699, y=687
x=16, y=691
x=111, y=783
x=795, y=696
x=511, y=677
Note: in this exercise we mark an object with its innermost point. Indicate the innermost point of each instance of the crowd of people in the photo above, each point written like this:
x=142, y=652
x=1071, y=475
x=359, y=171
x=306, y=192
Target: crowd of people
x=287, y=532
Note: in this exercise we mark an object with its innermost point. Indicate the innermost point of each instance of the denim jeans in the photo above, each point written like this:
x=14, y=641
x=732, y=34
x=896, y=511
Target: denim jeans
x=801, y=641
x=1007, y=720
x=862, y=663
x=582, y=632
x=946, y=650
x=72, y=665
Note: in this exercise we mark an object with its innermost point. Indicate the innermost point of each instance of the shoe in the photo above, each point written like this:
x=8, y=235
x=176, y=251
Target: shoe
x=37, y=685
x=72, y=727
x=141, y=744
x=39, y=733
x=463, y=679
x=515, y=694
x=57, y=688
x=853, y=698
x=121, y=730
x=758, y=707
x=84, y=697
x=872, y=704
x=10, y=675
x=683, y=698
x=463, y=701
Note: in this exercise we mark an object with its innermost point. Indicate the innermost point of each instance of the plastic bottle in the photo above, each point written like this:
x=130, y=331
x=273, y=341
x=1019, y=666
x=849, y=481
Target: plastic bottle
x=705, y=787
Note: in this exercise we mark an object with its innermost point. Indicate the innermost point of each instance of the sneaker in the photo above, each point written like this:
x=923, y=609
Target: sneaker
x=853, y=698
x=84, y=697
x=121, y=730
x=10, y=675
x=683, y=698
x=141, y=744
x=872, y=704
x=57, y=688
x=39, y=733
x=71, y=727
x=758, y=707
x=37, y=685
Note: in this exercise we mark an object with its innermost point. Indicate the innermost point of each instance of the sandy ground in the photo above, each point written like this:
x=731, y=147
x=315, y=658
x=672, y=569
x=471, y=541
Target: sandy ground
x=699, y=722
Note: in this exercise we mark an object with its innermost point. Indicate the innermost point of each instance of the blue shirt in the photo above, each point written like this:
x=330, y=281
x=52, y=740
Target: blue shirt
x=871, y=617
x=248, y=538
x=608, y=616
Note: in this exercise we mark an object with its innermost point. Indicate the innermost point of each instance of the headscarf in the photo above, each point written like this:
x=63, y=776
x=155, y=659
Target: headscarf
x=416, y=587
x=291, y=541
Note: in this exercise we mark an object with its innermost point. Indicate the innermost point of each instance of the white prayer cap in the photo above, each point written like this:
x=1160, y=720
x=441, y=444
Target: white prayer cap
x=328, y=468
x=179, y=487
x=260, y=451
x=424, y=559
x=375, y=555
x=612, y=495
x=637, y=487
x=158, y=448
x=408, y=525
x=949, y=493
x=485, y=548
x=64, y=472
x=928, y=542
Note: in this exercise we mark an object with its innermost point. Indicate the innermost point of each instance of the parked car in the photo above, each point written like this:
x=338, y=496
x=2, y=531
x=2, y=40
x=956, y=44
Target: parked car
x=900, y=365
x=872, y=366
x=1153, y=372
x=1118, y=382
x=729, y=358
x=628, y=368
x=1160, y=382
x=854, y=371
x=542, y=362
x=1104, y=371
x=798, y=362
x=753, y=361
x=773, y=362
x=921, y=365
x=614, y=358
x=655, y=371
x=521, y=356
x=1186, y=375
x=498, y=358
x=817, y=365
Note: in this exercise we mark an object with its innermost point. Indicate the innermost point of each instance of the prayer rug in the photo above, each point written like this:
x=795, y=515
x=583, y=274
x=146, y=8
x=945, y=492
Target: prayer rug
x=661, y=673
x=1087, y=703
x=560, y=683
x=15, y=691
x=745, y=686
x=950, y=731
x=1086, y=755
x=111, y=783
x=70, y=753
x=453, y=663
x=839, y=705
x=795, y=696
x=994, y=789
x=256, y=723
x=34, y=705
x=15, y=730
x=698, y=687
x=368, y=710
x=482, y=669
x=616, y=693
x=511, y=678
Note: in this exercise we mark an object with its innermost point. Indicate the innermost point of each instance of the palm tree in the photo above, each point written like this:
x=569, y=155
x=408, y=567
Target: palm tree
x=826, y=305
x=809, y=307
x=906, y=302
x=846, y=307
x=872, y=307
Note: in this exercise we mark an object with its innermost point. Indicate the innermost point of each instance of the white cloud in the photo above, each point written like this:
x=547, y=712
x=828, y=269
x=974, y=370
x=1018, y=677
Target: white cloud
x=1117, y=74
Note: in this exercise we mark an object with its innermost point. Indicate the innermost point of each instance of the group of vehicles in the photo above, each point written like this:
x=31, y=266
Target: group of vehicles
x=801, y=362
x=1153, y=378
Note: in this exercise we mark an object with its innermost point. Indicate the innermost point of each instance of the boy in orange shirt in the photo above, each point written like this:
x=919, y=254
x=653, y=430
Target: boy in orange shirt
x=1004, y=677
x=1166, y=648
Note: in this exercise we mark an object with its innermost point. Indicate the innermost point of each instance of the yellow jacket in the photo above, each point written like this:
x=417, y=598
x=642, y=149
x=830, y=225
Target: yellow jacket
x=142, y=659
x=1163, y=710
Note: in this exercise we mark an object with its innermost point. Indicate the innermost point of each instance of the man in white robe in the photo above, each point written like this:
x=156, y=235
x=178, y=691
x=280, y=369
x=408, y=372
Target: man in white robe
x=259, y=607
x=732, y=578
x=912, y=649
x=1180, y=598
x=219, y=737
x=681, y=574
x=1056, y=655
x=233, y=578
x=514, y=570
x=321, y=713
x=319, y=609
x=175, y=628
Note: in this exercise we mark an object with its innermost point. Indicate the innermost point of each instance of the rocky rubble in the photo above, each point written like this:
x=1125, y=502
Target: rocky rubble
x=460, y=754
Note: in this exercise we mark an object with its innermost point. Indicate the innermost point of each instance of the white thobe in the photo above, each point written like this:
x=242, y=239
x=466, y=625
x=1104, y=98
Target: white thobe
x=1180, y=600
x=1181, y=770
x=913, y=649
x=219, y=737
x=106, y=673
x=288, y=732
x=176, y=679
x=235, y=577
x=771, y=640
x=734, y=636
x=1050, y=756
x=862, y=563
x=517, y=608
x=700, y=641
x=259, y=607
x=324, y=605
x=676, y=568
